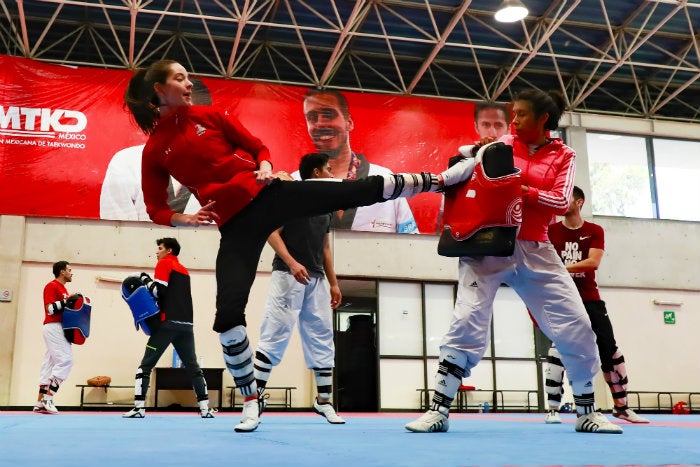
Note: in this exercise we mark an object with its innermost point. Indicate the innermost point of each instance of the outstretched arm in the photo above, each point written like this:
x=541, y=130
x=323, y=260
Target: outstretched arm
x=205, y=215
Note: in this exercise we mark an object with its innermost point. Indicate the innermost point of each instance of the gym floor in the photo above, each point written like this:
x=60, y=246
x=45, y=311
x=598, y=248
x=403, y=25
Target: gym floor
x=305, y=439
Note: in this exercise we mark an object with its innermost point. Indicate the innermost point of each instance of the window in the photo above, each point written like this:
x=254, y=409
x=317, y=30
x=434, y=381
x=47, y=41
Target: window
x=620, y=176
x=677, y=168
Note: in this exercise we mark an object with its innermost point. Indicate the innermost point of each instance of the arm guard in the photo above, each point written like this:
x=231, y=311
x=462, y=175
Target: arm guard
x=55, y=307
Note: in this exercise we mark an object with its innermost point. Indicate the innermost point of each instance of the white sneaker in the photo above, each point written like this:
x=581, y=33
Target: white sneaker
x=47, y=407
x=430, y=421
x=38, y=407
x=136, y=412
x=628, y=415
x=552, y=417
x=596, y=422
x=207, y=413
x=250, y=417
x=326, y=410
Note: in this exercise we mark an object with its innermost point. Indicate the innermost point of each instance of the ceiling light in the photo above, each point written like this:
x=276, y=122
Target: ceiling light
x=511, y=11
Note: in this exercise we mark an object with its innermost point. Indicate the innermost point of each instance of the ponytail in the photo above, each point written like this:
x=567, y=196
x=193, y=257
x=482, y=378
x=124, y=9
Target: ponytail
x=551, y=102
x=140, y=96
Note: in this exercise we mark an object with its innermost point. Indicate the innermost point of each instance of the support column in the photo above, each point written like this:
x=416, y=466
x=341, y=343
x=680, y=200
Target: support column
x=12, y=234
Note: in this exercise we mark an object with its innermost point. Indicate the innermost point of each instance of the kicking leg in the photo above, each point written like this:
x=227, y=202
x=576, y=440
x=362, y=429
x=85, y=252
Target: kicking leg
x=405, y=185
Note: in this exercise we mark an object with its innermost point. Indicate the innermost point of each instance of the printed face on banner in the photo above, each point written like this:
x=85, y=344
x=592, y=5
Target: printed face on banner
x=491, y=122
x=71, y=133
x=328, y=126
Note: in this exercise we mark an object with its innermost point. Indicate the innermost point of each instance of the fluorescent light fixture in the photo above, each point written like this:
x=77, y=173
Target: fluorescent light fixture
x=667, y=302
x=511, y=11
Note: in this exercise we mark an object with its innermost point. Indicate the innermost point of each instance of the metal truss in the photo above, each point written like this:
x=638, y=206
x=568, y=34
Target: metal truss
x=635, y=58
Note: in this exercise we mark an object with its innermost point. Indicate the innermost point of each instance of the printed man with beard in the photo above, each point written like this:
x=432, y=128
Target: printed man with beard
x=329, y=123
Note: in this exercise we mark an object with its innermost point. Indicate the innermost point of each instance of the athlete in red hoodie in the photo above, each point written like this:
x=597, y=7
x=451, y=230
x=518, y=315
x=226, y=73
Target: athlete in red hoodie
x=534, y=271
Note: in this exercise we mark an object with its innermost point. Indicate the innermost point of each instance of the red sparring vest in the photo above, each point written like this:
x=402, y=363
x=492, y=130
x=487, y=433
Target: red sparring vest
x=482, y=216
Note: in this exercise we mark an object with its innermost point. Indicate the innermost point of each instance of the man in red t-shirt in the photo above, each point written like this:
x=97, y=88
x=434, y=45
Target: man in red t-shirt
x=58, y=358
x=580, y=245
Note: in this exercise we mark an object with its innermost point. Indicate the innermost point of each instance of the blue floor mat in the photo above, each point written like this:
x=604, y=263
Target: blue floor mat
x=104, y=439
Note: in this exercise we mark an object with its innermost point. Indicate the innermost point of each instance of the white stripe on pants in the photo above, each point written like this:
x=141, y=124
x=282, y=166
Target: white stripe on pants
x=538, y=276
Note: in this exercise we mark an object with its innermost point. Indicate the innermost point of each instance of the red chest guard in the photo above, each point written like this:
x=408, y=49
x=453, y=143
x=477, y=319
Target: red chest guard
x=482, y=216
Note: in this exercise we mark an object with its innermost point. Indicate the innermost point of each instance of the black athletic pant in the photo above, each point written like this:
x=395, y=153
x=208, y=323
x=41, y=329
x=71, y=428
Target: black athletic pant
x=181, y=335
x=244, y=236
x=605, y=337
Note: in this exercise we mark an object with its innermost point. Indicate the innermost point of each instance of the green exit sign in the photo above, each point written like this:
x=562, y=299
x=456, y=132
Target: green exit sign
x=669, y=317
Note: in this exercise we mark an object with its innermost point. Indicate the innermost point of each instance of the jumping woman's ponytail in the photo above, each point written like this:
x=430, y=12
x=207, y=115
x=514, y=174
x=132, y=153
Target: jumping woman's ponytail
x=140, y=96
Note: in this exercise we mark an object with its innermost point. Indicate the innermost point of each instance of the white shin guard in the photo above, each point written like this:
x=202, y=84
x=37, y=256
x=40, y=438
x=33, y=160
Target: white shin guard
x=239, y=359
x=405, y=185
x=451, y=370
x=324, y=382
x=554, y=378
x=584, y=398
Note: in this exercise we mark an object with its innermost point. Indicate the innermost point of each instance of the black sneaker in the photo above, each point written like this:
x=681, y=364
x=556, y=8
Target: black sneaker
x=262, y=402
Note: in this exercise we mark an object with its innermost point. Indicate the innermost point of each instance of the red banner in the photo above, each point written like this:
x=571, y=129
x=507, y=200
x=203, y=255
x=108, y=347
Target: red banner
x=61, y=126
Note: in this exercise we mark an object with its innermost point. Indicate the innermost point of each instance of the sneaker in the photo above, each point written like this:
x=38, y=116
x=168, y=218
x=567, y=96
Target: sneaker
x=38, y=407
x=250, y=417
x=136, y=412
x=628, y=415
x=552, y=417
x=47, y=407
x=326, y=410
x=596, y=422
x=207, y=413
x=430, y=421
x=262, y=402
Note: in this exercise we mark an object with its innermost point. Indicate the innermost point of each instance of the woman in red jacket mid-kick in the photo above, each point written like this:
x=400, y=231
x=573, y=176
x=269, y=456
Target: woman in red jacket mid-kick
x=230, y=173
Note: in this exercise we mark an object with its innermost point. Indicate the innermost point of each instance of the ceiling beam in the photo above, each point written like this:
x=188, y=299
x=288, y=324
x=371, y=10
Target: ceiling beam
x=551, y=29
x=440, y=44
x=359, y=11
x=623, y=60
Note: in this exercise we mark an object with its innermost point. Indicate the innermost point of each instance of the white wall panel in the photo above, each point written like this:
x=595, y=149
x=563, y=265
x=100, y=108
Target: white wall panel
x=398, y=381
x=400, y=319
x=439, y=306
x=659, y=254
x=513, y=335
x=516, y=375
x=391, y=256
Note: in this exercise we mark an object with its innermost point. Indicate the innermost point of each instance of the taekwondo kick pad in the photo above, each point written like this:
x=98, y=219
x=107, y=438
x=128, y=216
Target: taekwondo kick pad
x=142, y=305
x=482, y=215
x=77, y=319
